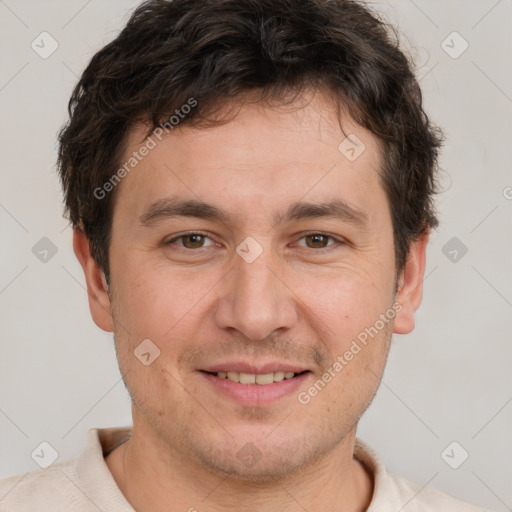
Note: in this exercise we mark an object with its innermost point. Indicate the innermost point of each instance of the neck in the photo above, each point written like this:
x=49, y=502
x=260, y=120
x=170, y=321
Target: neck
x=154, y=479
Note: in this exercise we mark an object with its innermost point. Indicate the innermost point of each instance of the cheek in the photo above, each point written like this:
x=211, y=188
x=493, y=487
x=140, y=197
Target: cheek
x=342, y=307
x=156, y=389
x=156, y=298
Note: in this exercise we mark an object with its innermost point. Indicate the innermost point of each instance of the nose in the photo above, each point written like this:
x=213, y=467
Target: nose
x=255, y=299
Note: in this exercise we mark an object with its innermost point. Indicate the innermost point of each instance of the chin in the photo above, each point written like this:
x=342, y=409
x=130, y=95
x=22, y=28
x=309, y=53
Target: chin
x=261, y=462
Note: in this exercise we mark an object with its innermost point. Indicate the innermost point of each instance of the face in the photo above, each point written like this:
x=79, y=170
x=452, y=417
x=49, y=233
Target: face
x=260, y=249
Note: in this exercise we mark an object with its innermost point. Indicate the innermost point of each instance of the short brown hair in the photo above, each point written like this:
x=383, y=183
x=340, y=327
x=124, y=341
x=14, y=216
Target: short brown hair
x=216, y=50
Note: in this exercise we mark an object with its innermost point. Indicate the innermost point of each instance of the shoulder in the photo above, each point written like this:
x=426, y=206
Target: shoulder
x=42, y=489
x=394, y=492
x=80, y=484
x=426, y=499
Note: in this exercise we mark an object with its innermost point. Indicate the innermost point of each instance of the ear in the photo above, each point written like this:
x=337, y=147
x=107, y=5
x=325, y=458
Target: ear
x=97, y=288
x=410, y=291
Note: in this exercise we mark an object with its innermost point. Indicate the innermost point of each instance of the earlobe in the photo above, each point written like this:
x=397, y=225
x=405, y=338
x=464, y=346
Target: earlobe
x=410, y=291
x=97, y=288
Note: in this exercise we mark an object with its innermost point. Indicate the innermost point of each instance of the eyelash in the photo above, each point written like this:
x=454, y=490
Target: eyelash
x=339, y=242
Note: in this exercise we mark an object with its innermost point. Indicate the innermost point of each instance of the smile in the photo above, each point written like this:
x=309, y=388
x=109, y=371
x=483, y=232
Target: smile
x=252, y=378
x=255, y=389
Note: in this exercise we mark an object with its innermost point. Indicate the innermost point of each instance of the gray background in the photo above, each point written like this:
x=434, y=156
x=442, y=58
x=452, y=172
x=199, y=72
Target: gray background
x=450, y=380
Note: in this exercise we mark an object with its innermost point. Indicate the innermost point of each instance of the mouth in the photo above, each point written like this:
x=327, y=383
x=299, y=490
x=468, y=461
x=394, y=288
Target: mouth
x=261, y=379
x=255, y=387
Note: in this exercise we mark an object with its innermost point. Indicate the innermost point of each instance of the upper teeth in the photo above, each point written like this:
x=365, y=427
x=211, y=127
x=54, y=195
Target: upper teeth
x=251, y=378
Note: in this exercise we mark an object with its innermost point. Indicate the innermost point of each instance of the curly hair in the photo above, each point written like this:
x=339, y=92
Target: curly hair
x=215, y=51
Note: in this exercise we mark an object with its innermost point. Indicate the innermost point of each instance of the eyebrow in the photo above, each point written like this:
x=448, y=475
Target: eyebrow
x=336, y=208
x=170, y=208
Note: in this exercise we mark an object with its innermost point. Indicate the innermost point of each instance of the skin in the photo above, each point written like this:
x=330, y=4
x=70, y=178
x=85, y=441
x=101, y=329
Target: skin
x=296, y=302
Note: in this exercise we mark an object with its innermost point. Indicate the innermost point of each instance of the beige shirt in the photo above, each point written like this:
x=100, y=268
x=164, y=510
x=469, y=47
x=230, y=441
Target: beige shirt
x=86, y=484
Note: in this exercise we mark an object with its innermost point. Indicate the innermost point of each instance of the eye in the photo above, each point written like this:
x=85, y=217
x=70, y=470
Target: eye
x=318, y=241
x=191, y=241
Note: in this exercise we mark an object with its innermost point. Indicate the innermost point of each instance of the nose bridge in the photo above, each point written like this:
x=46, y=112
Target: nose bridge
x=255, y=301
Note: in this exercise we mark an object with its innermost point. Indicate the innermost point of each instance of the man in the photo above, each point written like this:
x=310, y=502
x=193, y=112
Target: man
x=251, y=188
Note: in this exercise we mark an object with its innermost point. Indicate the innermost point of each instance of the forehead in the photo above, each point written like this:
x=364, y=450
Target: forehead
x=257, y=163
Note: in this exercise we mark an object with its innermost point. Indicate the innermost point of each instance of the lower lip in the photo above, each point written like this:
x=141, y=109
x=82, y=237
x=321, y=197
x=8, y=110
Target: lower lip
x=255, y=394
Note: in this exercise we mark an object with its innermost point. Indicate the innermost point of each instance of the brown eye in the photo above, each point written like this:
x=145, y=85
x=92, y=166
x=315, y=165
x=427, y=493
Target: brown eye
x=317, y=241
x=191, y=241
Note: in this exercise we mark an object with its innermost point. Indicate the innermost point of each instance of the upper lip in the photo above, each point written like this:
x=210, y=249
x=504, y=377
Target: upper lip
x=254, y=369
